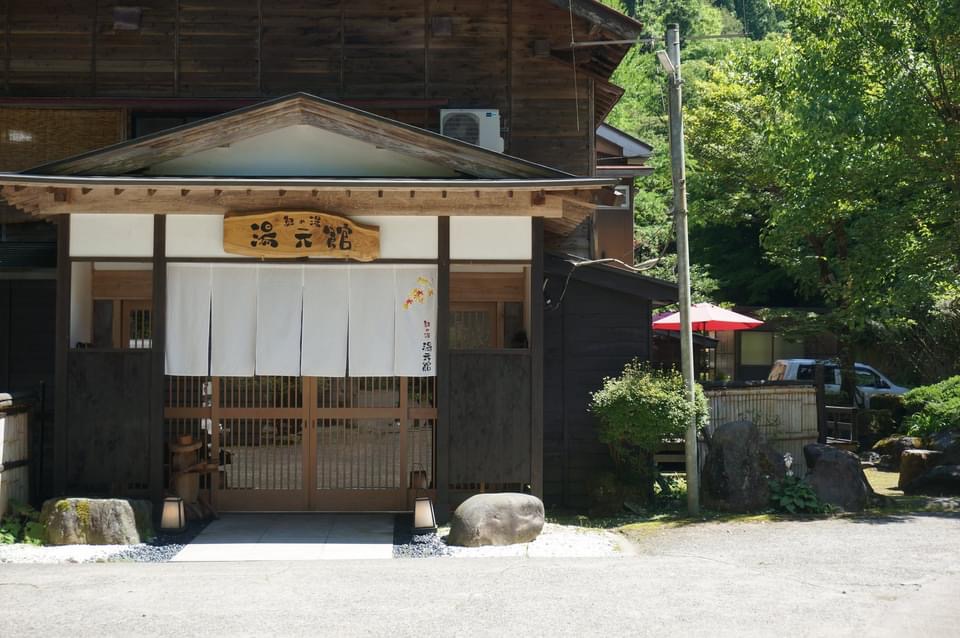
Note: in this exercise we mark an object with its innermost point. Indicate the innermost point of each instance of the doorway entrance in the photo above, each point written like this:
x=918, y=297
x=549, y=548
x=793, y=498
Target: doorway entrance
x=309, y=443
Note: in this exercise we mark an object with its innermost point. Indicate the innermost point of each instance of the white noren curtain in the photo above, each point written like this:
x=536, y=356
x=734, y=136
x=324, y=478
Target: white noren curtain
x=324, y=345
x=188, y=320
x=280, y=291
x=233, y=346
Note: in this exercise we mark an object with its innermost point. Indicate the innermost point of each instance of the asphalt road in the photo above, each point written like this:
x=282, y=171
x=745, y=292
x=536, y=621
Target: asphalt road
x=898, y=576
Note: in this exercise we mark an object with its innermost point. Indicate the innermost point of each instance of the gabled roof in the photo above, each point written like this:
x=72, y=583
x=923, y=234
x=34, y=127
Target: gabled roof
x=138, y=155
x=630, y=147
x=603, y=16
x=613, y=277
x=211, y=167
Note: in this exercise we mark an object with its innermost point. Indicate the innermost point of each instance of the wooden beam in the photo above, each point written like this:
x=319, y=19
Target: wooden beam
x=442, y=430
x=61, y=359
x=536, y=360
x=158, y=337
x=209, y=200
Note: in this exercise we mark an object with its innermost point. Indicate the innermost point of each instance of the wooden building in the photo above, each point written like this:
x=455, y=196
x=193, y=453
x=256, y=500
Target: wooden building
x=225, y=177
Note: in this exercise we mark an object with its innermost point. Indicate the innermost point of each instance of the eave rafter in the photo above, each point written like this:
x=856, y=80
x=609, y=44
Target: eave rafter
x=563, y=208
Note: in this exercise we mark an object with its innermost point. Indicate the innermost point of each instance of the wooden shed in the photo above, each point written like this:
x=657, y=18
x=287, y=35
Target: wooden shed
x=597, y=319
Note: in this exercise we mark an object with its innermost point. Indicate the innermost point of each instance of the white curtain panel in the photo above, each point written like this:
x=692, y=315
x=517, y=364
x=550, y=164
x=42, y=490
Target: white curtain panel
x=233, y=346
x=188, y=319
x=416, y=321
x=324, y=344
x=279, y=303
x=371, y=321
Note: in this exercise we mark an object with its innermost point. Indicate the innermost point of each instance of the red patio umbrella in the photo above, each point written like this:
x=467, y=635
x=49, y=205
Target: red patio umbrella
x=706, y=316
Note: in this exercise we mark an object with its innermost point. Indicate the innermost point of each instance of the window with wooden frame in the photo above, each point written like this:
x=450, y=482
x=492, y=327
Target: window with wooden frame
x=121, y=307
x=488, y=309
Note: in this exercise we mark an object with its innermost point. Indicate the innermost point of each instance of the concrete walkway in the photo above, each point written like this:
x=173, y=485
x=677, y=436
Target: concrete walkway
x=273, y=537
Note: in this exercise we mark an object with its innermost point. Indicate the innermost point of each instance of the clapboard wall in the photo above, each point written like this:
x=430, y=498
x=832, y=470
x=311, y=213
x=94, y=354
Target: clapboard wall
x=108, y=440
x=590, y=335
x=464, y=54
x=490, y=424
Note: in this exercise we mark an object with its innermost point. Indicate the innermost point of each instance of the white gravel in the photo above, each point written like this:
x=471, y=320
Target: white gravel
x=555, y=541
x=22, y=553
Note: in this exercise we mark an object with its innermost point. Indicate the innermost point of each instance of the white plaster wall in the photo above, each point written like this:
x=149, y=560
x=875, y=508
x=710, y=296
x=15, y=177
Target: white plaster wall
x=490, y=237
x=401, y=237
x=195, y=236
x=111, y=235
x=404, y=237
x=301, y=150
x=81, y=303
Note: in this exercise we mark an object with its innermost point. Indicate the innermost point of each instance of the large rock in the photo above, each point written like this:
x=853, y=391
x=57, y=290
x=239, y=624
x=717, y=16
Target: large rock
x=496, y=519
x=915, y=463
x=891, y=448
x=837, y=478
x=90, y=521
x=947, y=442
x=738, y=469
x=943, y=480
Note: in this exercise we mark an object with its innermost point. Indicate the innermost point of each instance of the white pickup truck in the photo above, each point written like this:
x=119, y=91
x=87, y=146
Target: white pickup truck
x=869, y=380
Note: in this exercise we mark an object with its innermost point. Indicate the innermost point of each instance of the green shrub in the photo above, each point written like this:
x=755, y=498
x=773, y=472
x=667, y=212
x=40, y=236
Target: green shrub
x=932, y=408
x=21, y=525
x=792, y=495
x=644, y=406
x=915, y=400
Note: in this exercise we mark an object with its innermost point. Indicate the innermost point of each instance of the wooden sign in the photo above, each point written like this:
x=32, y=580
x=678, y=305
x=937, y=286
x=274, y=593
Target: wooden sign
x=294, y=234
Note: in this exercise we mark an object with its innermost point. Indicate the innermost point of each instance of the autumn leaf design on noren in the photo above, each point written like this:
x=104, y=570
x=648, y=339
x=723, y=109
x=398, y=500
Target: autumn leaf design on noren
x=420, y=293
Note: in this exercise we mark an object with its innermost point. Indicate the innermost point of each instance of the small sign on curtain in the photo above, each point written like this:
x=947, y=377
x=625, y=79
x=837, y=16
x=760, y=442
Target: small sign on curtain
x=416, y=321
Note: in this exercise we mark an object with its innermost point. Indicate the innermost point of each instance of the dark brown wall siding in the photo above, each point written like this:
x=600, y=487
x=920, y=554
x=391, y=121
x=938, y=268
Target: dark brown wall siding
x=27, y=327
x=337, y=49
x=109, y=434
x=592, y=335
x=489, y=418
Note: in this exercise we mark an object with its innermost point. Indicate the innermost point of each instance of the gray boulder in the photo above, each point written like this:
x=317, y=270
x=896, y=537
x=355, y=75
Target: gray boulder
x=496, y=519
x=943, y=480
x=739, y=468
x=91, y=521
x=837, y=478
x=947, y=442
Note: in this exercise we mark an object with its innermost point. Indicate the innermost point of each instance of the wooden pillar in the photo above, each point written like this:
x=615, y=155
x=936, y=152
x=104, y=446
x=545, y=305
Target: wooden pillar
x=62, y=352
x=158, y=336
x=536, y=359
x=442, y=473
x=818, y=380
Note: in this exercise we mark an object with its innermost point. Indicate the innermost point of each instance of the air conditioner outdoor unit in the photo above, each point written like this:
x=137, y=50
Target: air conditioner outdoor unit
x=475, y=126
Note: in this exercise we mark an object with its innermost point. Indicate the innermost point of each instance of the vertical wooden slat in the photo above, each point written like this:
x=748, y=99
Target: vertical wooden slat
x=443, y=367
x=214, y=437
x=404, y=420
x=158, y=347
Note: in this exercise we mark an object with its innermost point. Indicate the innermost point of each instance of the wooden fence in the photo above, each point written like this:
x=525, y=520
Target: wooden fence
x=14, y=459
x=786, y=415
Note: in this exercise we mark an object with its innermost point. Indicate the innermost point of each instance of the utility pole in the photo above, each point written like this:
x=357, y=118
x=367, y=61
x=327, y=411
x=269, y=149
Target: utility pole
x=670, y=60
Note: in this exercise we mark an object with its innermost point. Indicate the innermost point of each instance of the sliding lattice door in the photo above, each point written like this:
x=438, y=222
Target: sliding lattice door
x=296, y=444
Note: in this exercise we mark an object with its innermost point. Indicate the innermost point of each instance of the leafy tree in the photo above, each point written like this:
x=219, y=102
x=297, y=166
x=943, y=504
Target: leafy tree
x=840, y=143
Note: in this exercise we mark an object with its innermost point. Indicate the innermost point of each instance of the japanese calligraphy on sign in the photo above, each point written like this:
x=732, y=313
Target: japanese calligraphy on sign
x=300, y=234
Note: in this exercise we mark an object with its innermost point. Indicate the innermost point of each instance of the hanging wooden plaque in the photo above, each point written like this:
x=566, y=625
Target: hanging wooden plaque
x=291, y=234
